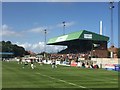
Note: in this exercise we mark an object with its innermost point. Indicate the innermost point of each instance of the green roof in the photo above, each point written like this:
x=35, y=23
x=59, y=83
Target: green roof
x=81, y=35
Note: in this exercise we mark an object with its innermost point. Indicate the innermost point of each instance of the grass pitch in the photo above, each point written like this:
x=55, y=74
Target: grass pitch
x=14, y=76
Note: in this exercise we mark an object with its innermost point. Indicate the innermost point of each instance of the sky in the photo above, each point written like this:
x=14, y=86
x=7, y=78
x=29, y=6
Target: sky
x=23, y=23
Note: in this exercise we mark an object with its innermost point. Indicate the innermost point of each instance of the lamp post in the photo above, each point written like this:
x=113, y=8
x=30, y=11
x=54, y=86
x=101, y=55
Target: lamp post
x=64, y=27
x=111, y=9
x=112, y=43
x=91, y=49
x=45, y=31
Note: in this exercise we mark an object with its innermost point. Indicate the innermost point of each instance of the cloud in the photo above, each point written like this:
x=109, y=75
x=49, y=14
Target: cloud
x=48, y=28
x=37, y=29
x=7, y=31
x=39, y=47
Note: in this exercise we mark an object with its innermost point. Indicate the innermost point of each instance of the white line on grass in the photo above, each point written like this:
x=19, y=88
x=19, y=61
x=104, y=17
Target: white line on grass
x=64, y=81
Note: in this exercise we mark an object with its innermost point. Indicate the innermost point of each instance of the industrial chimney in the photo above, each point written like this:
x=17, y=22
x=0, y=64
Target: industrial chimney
x=101, y=28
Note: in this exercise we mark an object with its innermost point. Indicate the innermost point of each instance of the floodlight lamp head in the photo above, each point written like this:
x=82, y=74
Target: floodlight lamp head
x=111, y=1
x=64, y=22
x=45, y=31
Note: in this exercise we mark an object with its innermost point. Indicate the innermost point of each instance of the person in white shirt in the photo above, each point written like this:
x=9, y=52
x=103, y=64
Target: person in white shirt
x=78, y=65
x=32, y=65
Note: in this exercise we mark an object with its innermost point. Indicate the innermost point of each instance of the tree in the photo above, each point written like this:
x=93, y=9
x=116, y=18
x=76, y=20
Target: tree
x=18, y=51
x=8, y=42
x=13, y=48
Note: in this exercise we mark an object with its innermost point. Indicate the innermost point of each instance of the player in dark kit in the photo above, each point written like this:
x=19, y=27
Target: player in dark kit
x=54, y=64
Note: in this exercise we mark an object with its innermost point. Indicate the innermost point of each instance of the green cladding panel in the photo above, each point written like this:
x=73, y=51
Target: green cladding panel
x=74, y=35
x=93, y=36
x=81, y=35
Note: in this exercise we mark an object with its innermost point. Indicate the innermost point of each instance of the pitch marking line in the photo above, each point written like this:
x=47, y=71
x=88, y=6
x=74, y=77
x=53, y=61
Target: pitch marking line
x=63, y=81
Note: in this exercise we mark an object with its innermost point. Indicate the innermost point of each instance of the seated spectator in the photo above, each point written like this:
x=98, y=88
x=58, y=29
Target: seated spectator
x=91, y=66
x=83, y=65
